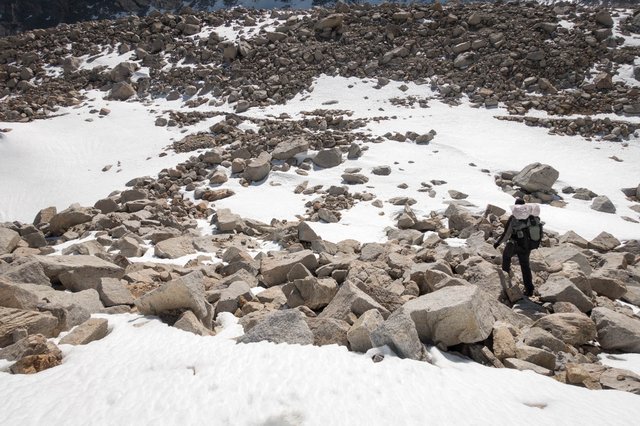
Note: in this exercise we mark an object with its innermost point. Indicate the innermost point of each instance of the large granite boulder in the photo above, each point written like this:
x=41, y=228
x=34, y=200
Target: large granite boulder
x=572, y=328
x=288, y=326
x=536, y=177
x=452, y=315
x=616, y=331
x=79, y=272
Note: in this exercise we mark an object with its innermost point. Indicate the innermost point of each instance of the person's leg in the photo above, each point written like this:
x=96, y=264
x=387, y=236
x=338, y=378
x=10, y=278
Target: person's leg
x=527, y=279
x=507, y=254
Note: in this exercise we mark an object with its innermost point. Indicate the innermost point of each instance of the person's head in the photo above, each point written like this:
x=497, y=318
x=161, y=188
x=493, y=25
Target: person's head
x=519, y=200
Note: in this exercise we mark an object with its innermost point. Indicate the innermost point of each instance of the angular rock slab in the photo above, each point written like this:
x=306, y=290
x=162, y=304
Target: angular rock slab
x=8, y=240
x=399, y=333
x=451, y=316
x=33, y=322
x=563, y=290
x=573, y=329
x=536, y=177
x=78, y=272
x=93, y=329
x=288, y=326
x=349, y=301
x=186, y=292
x=616, y=331
x=328, y=331
x=174, y=248
x=359, y=335
x=189, y=322
x=113, y=292
x=35, y=344
x=274, y=270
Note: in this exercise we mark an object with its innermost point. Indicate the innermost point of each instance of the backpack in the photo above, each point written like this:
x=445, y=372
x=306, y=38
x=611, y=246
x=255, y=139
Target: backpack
x=527, y=233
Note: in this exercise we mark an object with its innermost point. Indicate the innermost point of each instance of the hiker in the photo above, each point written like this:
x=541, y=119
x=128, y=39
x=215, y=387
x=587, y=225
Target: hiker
x=520, y=243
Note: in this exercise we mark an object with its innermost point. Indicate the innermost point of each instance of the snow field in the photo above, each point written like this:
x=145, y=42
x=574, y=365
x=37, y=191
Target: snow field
x=153, y=373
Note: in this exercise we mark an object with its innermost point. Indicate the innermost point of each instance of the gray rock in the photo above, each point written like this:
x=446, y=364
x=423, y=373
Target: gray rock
x=71, y=64
x=33, y=297
x=381, y=170
x=457, y=195
x=226, y=221
x=186, y=292
x=606, y=282
x=214, y=156
x=121, y=91
x=327, y=158
x=603, y=204
x=13, y=295
x=315, y=293
x=34, y=322
x=288, y=326
x=92, y=330
x=555, y=257
x=573, y=238
x=306, y=233
x=573, y=329
x=230, y=297
x=542, y=339
x=25, y=270
x=464, y=60
x=128, y=246
x=350, y=301
x=274, y=270
x=603, y=17
x=174, y=248
x=563, y=290
x=78, y=272
x=504, y=345
x=123, y=71
x=359, y=335
x=189, y=322
x=113, y=292
x=622, y=380
x=328, y=331
x=354, y=178
x=536, y=356
x=258, y=168
x=35, y=239
x=330, y=22
x=400, y=334
x=604, y=242
x=459, y=218
x=425, y=138
x=88, y=248
x=64, y=220
x=572, y=272
x=31, y=345
x=616, y=331
x=290, y=148
x=106, y=205
x=8, y=240
x=536, y=177
x=451, y=316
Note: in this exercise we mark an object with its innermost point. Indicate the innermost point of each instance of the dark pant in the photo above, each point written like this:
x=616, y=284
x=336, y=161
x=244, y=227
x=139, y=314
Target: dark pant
x=511, y=249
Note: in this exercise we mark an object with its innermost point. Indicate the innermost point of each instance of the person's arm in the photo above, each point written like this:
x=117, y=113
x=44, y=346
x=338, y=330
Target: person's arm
x=506, y=234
